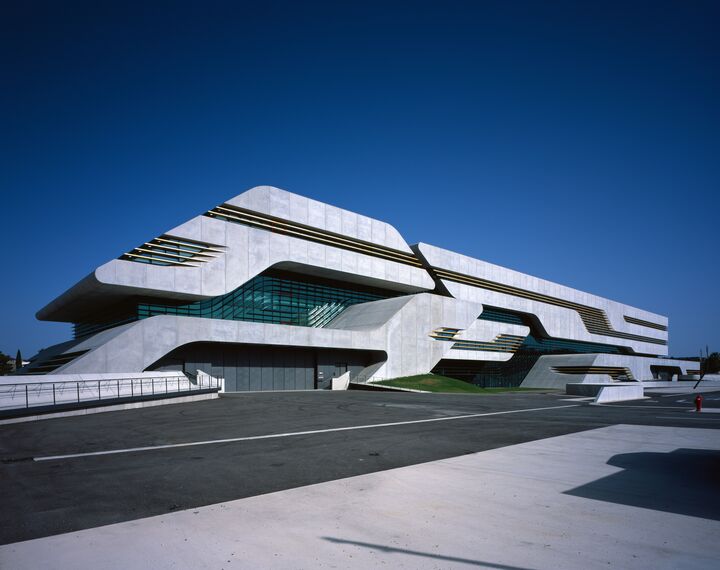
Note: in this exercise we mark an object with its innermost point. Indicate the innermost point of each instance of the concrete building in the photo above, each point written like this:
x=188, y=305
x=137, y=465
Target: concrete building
x=274, y=291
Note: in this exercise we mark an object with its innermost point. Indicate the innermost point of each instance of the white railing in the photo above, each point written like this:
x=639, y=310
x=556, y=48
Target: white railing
x=30, y=395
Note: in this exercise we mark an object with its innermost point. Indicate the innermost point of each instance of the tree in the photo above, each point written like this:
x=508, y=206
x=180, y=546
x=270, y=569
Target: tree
x=5, y=364
x=708, y=364
x=712, y=363
x=18, y=360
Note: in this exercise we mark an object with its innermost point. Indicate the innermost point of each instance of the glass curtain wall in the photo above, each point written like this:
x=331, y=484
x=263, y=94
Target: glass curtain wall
x=274, y=300
x=284, y=299
x=513, y=371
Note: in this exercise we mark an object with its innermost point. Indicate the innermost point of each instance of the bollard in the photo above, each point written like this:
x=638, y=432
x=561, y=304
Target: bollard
x=698, y=403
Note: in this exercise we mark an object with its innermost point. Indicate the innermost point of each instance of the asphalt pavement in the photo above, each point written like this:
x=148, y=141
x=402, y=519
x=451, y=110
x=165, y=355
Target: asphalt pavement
x=81, y=472
x=625, y=496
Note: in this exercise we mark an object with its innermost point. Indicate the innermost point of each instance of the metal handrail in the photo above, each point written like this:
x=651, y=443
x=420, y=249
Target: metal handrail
x=50, y=394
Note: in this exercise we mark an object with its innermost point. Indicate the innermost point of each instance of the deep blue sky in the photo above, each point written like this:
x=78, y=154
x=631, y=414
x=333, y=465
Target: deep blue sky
x=578, y=142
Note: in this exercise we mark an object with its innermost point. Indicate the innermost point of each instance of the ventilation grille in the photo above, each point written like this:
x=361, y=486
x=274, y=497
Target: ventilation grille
x=634, y=321
x=617, y=373
x=229, y=213
x=501, y=343
x=595, y=320
x=171, y=251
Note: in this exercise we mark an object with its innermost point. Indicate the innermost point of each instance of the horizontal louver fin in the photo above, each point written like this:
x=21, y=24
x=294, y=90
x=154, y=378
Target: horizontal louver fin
x=51, y=364
x=502, y=343
x=615, y=372
x=595, y=320
x=229, y=213
x=634, y=321
x=171, y=251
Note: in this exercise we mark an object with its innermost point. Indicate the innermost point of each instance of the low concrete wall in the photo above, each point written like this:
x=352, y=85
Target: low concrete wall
x=620, y=393
x=580, y=389
x=341, y=383
x=50, y=391
x=604, y=393
x=112, y=408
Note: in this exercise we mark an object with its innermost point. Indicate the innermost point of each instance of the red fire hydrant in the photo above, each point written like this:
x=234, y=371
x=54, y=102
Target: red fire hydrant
x=698, y=403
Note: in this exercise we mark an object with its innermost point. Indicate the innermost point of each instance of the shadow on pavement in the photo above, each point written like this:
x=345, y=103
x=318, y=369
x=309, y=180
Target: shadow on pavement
x=392, y=549
x=683, y=482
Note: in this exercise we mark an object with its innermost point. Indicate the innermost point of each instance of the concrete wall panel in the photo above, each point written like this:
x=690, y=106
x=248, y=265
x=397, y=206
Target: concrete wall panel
x=557, y=321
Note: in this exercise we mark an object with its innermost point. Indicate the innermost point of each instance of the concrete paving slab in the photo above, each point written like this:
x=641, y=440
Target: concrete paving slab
x=621, y=496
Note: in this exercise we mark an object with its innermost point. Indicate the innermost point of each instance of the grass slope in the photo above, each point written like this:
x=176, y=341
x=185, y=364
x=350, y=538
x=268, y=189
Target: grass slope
x=437, y=383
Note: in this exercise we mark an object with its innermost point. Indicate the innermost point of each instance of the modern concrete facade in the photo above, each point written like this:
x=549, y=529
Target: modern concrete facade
x=272, y=290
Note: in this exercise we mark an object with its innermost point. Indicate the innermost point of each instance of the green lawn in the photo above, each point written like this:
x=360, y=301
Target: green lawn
x=436, y=383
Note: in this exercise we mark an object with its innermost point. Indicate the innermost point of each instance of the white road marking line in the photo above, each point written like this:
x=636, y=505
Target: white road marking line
x=678, y=394
x=678, y=417
x=291, y=434
x=613, y=405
